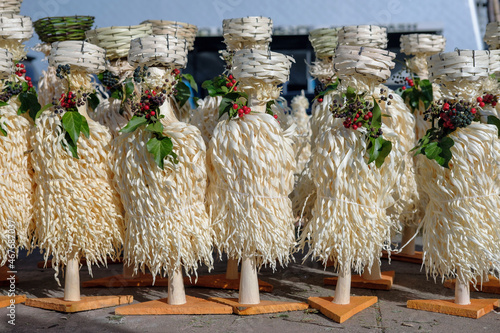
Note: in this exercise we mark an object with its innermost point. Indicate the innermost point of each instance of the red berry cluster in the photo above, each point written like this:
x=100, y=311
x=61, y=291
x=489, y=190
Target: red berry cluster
x=487, y=99
x=242, y=110
x=176, y=72
x=20, y=71
x=68, y=101
x=356, y=123
x=150, y=102
x=409, y=82
x=231, y=83
x=451, y=114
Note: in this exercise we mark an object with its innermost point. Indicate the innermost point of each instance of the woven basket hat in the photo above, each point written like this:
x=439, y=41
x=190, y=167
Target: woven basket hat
x=6, y=68
x=78, y=54
x=162, y=50
x=363, y=35
x=15, y=27
x=470, y=65
x=179, y=30
x=261, y=65
x=366, y=61
x=422, y=43
x=247, y=32
x=492, y=35
x=324, y=41
x=116, y=40
x=10, y=6
x=60, y=28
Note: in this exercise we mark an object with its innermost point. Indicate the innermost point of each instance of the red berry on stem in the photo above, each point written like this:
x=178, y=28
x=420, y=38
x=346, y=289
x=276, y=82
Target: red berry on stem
x=235, y=88
x=366, y=117
x=479, y=99
x=359, y=124
x=152, y=113
x=240, y=115
x=370, y=114
x=247, y=110
x=355, y=127
x=233, y=81
x=403, y=88
x=235, y=106
x=473, y=111
x=320, y=100
x=481, y=104
x=446, y=106
x=230, y=77
x=275, y=116
x=494, y=103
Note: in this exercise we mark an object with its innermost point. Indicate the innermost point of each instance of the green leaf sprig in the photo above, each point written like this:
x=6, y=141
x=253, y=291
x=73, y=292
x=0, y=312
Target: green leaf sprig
x=360, y=113
x=446, y=116
x=147, y=117
x=418, y=91
x=325, y=90
x=182, y=92
x=72, y=122
x=120, y=90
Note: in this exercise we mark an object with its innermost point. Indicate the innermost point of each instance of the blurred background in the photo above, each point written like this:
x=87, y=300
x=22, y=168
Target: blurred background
x=462, y=22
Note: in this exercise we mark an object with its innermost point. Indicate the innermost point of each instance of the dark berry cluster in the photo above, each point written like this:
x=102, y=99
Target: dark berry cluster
x=357, y=113
x=451, y=114
x=63, y=70
x=487, y=99
x=150, y=102
x=140, y=73
x=10, y=89
x=384, y=98
x=109, y=80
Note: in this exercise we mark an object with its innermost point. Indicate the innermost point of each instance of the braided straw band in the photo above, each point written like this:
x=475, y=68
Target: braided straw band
x=10, y=6
x=264, y=66
x=492, y=35
x=116, y=40
x=15, y=27
x=247, y=32
x=6, y=68
x=324, y=41
x=88, y=57
x=163, y=51
x=60, y=28
x=371, y=62
x=180, y=30
x=422, y=43
x=363, y=35
x=461, y=64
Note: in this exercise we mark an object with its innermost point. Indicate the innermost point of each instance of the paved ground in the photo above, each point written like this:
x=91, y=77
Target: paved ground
x=297, y=282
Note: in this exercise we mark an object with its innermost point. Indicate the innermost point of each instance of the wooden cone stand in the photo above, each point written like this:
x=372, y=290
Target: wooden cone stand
x=176, y=303
x=342, y=306
x=462, y=306
x=72, y=301
x=230, y=280
x=492, y=286
x=368, y=280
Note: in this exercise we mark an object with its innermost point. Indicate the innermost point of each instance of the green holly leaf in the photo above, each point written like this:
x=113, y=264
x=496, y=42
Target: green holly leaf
x=71, y=146
x=85, y=127
x=133, y=124
x=183, y=93
x=492, y=120
x=3, y=131
x=129, y=88
x=328, y=89
x=445, y=145
x=374, y=149
x=160, y=148
x=93, y=101
x=2, y=103
x=432, y=151
x=45, y=107
x=191, y=81
x=376, y=115
x=29, y=103
x=156, y=127
x=117, y=94
x=384, y=151
x=72, y=124
x=351, y=93
x=225, y=106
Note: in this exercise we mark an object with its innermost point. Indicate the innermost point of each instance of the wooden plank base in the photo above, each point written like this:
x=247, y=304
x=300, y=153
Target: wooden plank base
x=85, y=304
x=83, y=261
x=219, y=281
x=340, y=313
x=262, y=307
x=357, y=281
x=411, y=258
x=118, y=281
x=475, y=310
x=193, y=306
x=6, y=300
x=492, y=286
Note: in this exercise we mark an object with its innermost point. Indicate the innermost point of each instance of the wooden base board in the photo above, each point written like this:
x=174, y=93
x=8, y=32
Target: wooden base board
x=411, y=258
x=340, y=313
x=219, y=281
x=193, y=306
x=4, y=274
x=85, y=304
x=492, y=286
x=357, y=281
x=6, y=300
x=83, y=261
x=118, y=281
x=475, y=310
x=261, y=308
